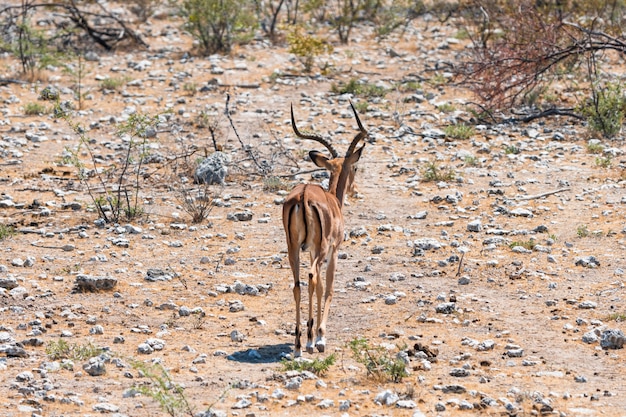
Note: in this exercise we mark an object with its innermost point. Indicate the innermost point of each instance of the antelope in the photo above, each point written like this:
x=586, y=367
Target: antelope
x=314, y=223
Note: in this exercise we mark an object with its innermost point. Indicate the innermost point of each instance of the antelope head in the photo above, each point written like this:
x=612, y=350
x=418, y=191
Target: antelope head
x=342, y=169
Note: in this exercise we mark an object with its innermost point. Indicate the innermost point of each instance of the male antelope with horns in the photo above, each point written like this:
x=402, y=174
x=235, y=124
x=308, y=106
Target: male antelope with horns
x=313, y=222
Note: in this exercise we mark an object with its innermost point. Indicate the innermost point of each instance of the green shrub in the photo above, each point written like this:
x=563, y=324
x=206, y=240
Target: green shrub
x=604, y=112
x=432, y=172
x=317, y=366
x=63, y=350
x=306, y=47
x=6, y=231
x=34, y=109
x=359, y=88
x=459, y=131
x=218, y=24
x=378, y=361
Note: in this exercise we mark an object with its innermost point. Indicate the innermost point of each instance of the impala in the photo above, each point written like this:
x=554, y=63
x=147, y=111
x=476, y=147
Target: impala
x=313, y=222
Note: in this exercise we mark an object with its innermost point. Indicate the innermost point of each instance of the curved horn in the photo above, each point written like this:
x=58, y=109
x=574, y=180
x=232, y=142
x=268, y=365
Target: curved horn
x=360, y=136
x=314, y=137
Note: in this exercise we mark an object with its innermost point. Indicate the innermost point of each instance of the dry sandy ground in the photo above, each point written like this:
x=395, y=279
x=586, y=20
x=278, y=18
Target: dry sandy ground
x=528, y=303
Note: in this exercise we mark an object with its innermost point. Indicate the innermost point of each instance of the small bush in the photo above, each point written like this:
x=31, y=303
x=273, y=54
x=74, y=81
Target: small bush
x=218, y=24
x=63, y=350
x=378, y=361
x=603, y=161
x=459, y=131
x=433, y=172
x=113, y=83
x=6, y=231
x=162, y=389
x=358, y=88
x=34, y=109
x=582, y=231
x=604, y=112
x=527, y=244
x=306, y=47
x=317, y=366
x=595, y=148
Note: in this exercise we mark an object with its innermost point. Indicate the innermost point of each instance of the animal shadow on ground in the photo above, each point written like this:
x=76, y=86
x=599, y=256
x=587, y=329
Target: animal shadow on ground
x=264, y=354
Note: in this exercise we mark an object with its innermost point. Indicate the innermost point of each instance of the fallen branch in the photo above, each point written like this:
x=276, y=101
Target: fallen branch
x=534, y=197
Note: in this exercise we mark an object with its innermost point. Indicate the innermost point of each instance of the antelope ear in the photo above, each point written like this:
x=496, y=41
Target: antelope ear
x=318, y=159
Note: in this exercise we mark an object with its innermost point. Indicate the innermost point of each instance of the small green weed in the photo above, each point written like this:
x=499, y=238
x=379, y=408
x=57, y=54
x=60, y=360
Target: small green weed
x=603, y=161
x=7, y=231
x=63, y=350
x=446, y=107
x=190, y=88
x=409, y=86
x=528, y=244
x=114, y=83
x=582, y=231
x=274, y=183
x=34, y=109
x=169, y=395
x=433, y=172
x=306, y=47
x=358, y=88
x=604, y=111
x=471, y=161
x=317, y=366
x=459, y=131
x=619, y=317
x=595, y=148
x=378, y=361
x=512, y=150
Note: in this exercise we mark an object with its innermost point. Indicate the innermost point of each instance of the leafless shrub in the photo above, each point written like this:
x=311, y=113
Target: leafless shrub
x=519, y=47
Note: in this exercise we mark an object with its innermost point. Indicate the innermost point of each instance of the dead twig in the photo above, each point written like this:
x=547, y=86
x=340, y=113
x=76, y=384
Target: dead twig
x=537, y=196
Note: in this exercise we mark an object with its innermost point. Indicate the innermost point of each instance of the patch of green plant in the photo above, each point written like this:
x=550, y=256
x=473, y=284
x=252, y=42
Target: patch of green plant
x=114, y=83
x=274, y=183
x=595, y=148
x=604, y=111
x=409, y=86
x=378, y=361
x=114, y=190
x=459, y=131
x=512, y=150
x=31, y=47
x=582, y=231
x=603, y=161
x=392, y=15
x=63, y=350
x=161, y=388
x=438, y=80
x=446, y=107
x=190, y=88
x=358, y=88
x=7, y=231
x=471, y=161
x=306, y=47
x=34, y=109
x=317, y=366
x=619, y=317
x=433, y=172
x=217, y=25
x=527, y=244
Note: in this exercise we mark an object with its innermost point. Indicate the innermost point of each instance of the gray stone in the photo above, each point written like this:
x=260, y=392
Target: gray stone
x=612, y=339
x=213, y=169
x=89, y=283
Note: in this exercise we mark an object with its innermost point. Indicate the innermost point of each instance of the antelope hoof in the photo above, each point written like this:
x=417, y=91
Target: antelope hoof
x=297, y=353
x=320, y=344
x=309, y=347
